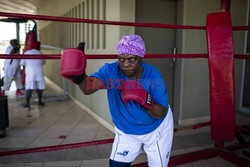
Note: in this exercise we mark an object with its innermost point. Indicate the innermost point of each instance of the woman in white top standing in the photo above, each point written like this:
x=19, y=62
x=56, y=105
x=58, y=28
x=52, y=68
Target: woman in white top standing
x=34, y=79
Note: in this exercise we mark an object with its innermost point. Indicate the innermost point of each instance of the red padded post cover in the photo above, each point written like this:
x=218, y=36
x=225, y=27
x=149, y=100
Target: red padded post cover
x=221, y=75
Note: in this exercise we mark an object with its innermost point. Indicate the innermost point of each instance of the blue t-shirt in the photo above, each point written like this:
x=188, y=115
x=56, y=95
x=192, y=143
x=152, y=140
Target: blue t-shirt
x=131, y=117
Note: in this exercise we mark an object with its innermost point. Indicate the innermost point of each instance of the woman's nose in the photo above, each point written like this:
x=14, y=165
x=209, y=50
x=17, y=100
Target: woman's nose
x=126, y=63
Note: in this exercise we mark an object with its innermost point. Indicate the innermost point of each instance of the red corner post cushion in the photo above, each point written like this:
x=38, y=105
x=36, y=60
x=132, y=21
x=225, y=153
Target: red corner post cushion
x=221, y=75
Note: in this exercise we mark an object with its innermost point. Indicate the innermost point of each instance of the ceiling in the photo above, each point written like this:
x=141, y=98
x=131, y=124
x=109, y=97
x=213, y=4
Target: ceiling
x=20, y=6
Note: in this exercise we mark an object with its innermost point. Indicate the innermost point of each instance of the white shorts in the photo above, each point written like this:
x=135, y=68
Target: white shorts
x=34, y=85
x=157, y=144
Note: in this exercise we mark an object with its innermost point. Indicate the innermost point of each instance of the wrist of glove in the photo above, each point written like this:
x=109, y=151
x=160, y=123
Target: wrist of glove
x=78, y=79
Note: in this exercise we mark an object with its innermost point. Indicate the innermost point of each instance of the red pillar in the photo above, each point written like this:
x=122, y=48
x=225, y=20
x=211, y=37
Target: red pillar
x=225, y=5
x=221, y=74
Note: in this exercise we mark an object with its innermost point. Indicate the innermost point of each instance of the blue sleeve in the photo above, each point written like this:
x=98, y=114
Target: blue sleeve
x=102, y=73
x=160, y=94
x=158, y=89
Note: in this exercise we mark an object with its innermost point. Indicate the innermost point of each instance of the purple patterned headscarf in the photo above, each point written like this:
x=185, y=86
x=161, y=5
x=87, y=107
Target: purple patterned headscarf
x=131, y=44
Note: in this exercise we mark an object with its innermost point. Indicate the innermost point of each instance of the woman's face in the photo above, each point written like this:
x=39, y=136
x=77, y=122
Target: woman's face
x=130, y=65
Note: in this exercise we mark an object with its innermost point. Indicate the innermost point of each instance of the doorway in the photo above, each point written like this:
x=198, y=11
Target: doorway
x=159, y=41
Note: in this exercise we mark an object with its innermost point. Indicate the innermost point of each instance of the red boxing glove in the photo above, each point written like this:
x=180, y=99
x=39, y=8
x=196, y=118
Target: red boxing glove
x=132, y=90
x=73, y=64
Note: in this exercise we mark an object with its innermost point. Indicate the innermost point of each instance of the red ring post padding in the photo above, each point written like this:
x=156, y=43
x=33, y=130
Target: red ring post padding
x=221, y=75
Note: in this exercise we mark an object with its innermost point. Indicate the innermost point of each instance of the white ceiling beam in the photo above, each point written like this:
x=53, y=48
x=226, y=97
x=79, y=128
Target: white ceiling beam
x=20, y=6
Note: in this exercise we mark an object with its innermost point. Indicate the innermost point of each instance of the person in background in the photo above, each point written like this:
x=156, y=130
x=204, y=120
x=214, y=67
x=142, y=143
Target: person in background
x=12, y=70
x=34, y=73
x=138, y=101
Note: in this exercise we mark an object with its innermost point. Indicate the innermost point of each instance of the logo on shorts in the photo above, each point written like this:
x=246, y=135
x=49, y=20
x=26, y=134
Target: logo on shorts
x=124, y=153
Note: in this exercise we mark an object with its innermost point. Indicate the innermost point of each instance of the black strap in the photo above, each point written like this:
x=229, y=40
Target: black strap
x=11, y=61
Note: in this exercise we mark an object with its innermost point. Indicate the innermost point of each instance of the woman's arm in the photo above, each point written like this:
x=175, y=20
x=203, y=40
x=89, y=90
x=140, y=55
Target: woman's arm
x=90, y=85
x=158, y=111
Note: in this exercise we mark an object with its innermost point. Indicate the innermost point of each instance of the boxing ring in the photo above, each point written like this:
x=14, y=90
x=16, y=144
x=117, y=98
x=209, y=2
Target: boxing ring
x=220, y=54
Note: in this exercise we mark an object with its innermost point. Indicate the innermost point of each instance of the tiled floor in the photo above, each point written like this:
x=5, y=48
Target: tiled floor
x=63, y=122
